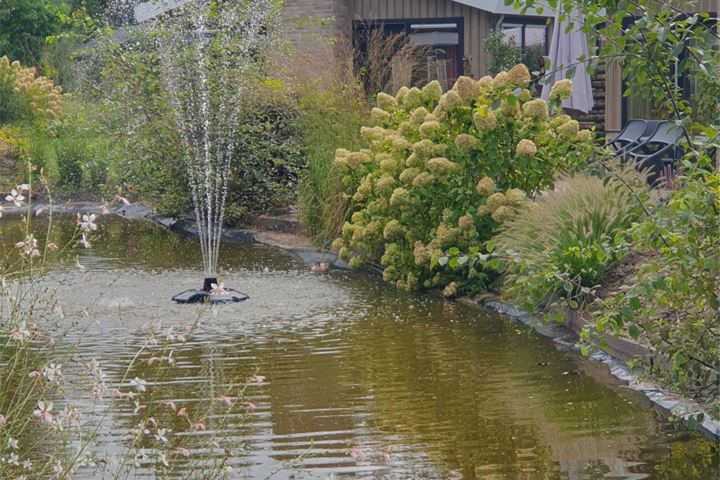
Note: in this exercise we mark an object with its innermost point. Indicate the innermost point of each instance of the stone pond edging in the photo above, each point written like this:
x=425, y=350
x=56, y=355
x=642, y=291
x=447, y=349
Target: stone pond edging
x=619, y=351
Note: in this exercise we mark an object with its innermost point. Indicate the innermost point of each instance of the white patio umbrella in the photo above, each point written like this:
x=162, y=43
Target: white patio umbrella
x=566, y=48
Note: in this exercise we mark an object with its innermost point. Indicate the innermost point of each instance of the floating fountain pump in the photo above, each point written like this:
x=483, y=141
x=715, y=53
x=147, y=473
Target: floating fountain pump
x=208, y=294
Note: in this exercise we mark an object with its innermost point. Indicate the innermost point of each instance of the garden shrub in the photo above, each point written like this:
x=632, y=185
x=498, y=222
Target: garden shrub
x=444, y=170
x=329, y=118
x=267, y=166
x=25, y=96
x=559, y=249
x=673, y=302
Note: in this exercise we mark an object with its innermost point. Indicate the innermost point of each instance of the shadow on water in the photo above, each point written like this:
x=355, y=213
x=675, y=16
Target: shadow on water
x=360, y=379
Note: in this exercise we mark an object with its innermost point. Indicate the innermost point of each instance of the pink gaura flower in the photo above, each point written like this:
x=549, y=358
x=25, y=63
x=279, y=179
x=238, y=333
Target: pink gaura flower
x=250, y=405
x=183, y=451
x=199, y=427
x=15, y=197
x=225, y=400
x=182, y=412
x=257, y=379
x=43, y=412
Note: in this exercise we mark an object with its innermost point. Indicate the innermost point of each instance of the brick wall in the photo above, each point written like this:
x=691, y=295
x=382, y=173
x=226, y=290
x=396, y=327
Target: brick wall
x=313, y=27
x=596, y=116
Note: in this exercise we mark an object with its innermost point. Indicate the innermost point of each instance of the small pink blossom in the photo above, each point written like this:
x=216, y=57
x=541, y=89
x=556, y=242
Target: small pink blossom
x=225, y=400
x=257, y=379
x=43, y=412
x=199, y=427
x=15, y=197
x=183, y=451
x=250, y=405
x=182, y=412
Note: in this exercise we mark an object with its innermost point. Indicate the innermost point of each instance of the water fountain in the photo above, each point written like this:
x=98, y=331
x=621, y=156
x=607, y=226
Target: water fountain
x=208, y=49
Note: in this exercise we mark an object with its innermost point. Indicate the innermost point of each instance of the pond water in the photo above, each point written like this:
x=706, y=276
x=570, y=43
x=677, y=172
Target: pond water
x=360, y=380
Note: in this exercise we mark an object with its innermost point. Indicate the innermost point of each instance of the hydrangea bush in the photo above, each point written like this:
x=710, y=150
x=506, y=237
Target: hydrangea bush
x=24, y=94
x=445, y=169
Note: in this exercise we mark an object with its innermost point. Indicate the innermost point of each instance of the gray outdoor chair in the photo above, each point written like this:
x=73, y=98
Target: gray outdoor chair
x=628, y=136
x=658, y=152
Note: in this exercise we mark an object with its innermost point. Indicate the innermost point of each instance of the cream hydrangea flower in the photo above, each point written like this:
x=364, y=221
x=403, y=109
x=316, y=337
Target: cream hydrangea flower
x=407, y=129
x=393, y=230
x=423, y=179
x=466, y=222
x=430, y=129
x=401, y=93
x=536, y=110
x=467, y=88
x=515, y=196
x=423, y=148
x=386, y=102
x=561, y=90
x=519, y=75
x=448, y=101
x=503, y=214
x=501, y=80
x=408, y=175
x=385, y=183
x=401, y=144
x=337, y=244
x=526, y=148
x=485, y=187
x=379, y=116
x=585, y=135
x=486, y=81
x=413, y=98
x=568, y=129
x=465, y=142
x=441, y=166
x=450, y=290
x=484, y=119
x=418, y=115
x=421, y=254
x=414, y=160
x=400, y=196
x=495, y=201
x=432, y=91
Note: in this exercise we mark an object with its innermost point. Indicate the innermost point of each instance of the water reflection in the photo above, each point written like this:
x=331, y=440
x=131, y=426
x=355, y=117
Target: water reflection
x=360, y=380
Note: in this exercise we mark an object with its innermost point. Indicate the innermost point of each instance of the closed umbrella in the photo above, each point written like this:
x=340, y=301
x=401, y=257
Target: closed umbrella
x=567, y=48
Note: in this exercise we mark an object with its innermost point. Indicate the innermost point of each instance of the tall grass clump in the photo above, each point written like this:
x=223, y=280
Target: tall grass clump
x=328, y=120
x=560, y=248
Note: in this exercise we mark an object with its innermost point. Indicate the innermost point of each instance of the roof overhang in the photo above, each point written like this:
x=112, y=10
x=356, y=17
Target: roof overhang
x=499, y=7
x=151, y=9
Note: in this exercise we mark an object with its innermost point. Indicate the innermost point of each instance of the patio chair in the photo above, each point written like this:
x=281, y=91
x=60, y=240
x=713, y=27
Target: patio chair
x=657, y=152
x=628, y=136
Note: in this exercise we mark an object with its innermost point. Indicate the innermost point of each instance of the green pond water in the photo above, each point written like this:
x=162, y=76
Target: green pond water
x=361, y=381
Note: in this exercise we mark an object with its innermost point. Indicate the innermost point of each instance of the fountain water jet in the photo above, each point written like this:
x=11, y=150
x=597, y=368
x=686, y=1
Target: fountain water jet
x=207, y=50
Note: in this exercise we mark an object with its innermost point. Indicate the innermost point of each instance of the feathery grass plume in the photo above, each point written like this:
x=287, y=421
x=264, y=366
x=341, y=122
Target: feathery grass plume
x=568, y=239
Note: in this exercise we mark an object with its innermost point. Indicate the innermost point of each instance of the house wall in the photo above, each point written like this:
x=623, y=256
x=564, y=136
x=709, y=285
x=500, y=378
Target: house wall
x=614, y=86
x=312, y=27
x=477, y=23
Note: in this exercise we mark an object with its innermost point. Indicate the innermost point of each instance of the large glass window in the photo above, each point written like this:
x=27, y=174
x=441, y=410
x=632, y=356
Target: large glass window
x=428, y=49
x=530, y=35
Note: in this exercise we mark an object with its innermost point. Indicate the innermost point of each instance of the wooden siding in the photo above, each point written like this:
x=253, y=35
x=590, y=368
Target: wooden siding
x=477, y=23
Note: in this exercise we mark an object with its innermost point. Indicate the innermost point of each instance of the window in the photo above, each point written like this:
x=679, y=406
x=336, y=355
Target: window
x=636, y=103
x=531, y=35
x=436, y=47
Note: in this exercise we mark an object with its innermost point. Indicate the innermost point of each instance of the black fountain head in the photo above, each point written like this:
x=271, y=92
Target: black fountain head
x=211, y=295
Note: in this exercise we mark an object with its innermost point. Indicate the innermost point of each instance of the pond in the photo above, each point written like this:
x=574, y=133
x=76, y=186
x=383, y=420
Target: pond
x=360, y=380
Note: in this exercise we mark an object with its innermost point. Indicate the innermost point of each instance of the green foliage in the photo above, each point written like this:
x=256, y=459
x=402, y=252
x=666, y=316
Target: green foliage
x=268, y=163
x=329, y=118
x=560, y=248
x=673, y=303
x=504, y=54
x=431, y=182
x=24, y=26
